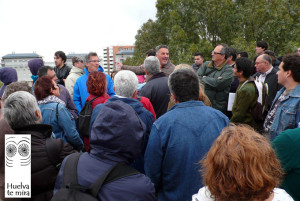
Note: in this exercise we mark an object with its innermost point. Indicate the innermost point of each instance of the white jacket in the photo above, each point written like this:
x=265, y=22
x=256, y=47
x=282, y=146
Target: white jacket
x=74, y=74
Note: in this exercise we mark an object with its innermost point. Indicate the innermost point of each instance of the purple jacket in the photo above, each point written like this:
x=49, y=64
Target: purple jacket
x=66, y=97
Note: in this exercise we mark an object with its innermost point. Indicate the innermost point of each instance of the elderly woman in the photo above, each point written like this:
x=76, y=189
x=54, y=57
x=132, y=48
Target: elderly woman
x=23, y=115
x=241, y=165
x=55, y=113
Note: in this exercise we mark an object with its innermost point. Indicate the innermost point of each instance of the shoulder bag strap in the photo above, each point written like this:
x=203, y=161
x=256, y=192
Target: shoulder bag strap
x=70, y=169
x=116, y=172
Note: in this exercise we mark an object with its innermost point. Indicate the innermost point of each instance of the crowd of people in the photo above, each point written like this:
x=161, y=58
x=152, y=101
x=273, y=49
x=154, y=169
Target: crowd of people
x=226, y=129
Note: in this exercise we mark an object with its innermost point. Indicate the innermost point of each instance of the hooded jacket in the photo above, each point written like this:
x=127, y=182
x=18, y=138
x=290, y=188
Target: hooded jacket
x=7, y=76
x=145, y=116
x=80, y=92
x=116, y=136
x=34, y=66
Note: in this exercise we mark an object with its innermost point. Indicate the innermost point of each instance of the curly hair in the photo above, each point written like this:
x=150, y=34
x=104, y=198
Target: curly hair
x=96, y=83
x=292, y=62
x=241, y=165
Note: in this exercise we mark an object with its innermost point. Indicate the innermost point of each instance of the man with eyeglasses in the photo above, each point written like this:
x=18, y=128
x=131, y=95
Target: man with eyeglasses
x=217, y=77
x=76, y=71
x=267, y=74
x=80, y=93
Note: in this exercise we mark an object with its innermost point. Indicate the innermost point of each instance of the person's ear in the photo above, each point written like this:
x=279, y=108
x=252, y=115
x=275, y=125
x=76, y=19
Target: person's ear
x=39, y=115
x=174, y=98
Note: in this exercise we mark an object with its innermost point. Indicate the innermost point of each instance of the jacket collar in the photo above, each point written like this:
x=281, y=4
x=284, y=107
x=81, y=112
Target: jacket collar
x=187, y=104
x=157, y=75
x=219, y=67
x=44, y=129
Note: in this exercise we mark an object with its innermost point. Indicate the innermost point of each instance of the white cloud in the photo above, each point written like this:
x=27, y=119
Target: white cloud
x=45, y=26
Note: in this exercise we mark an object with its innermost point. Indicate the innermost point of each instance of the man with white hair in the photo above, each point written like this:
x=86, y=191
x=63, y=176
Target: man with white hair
x=22, y=113
x=125, y=86
x=156, y=89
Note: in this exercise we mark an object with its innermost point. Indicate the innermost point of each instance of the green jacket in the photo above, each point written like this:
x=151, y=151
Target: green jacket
x=287, y=148
x=217, y=81
x=245, y=99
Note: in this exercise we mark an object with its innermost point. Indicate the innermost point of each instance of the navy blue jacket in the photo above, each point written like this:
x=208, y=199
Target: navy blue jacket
x=116, y=136
x=145, y=116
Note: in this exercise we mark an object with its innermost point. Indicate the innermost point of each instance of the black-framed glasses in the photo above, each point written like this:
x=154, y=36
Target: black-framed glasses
x=213, y=52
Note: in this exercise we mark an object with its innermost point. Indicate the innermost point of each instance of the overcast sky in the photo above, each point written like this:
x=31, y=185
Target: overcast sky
x=79, y=26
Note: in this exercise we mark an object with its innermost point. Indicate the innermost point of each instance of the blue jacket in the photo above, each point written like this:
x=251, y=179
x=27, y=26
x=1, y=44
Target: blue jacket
x=288, y=113
x=80, y=93
x=63, y=127
x=178, y=141
x=116, y=136
x=145, y=116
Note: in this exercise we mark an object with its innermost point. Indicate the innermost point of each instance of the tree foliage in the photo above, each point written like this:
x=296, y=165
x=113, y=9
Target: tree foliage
x=189, y=26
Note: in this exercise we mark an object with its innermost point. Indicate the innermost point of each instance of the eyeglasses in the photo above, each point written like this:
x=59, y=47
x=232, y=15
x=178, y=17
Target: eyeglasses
x=95, y=61
x=256, y=63
x=213, y=52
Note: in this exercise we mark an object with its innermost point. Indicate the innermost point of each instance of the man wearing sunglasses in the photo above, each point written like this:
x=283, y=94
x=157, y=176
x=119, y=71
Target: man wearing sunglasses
x=217, y=77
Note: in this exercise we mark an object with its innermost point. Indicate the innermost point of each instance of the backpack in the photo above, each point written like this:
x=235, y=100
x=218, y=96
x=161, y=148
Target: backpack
x=85, y=116
x=259, y=108
x=72, y=191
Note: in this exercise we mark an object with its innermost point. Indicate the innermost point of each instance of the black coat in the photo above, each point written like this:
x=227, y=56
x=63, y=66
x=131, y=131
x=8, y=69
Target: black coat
x=273, y=86
x=43, y=171
x=157, y=90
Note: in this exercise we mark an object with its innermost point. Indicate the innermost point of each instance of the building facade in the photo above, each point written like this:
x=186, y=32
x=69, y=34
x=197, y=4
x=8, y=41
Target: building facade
x=19, y=61
x=110, y=56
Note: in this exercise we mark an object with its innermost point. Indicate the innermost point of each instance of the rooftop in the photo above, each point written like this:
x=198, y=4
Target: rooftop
x=21, y=55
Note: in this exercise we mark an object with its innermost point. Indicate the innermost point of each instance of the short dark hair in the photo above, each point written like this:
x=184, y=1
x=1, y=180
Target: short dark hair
x=267, y=58
x=87, y=57
x=244, y=64
x=184, y=84
x=199, y=54
x=62, y=55
x=271, y=54
x=262, y=44
x=43, y=71
x=292, y=62
x=243, y=54
x=159, y=47
x=150, y=52
x=232, y=52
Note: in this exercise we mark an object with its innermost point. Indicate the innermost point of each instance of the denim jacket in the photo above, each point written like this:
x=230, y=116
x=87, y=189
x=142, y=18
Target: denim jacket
x=178, y=141
x=63, y=125
x=288, y=113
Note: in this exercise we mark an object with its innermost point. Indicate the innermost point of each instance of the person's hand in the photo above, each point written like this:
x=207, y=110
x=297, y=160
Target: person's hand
x=119, y=65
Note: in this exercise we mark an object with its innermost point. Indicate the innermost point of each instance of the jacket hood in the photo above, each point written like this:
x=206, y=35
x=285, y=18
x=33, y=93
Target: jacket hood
x=8, y=75
x=117, y=133
x=34, y=65
x=137, y=105
x=77, y=70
